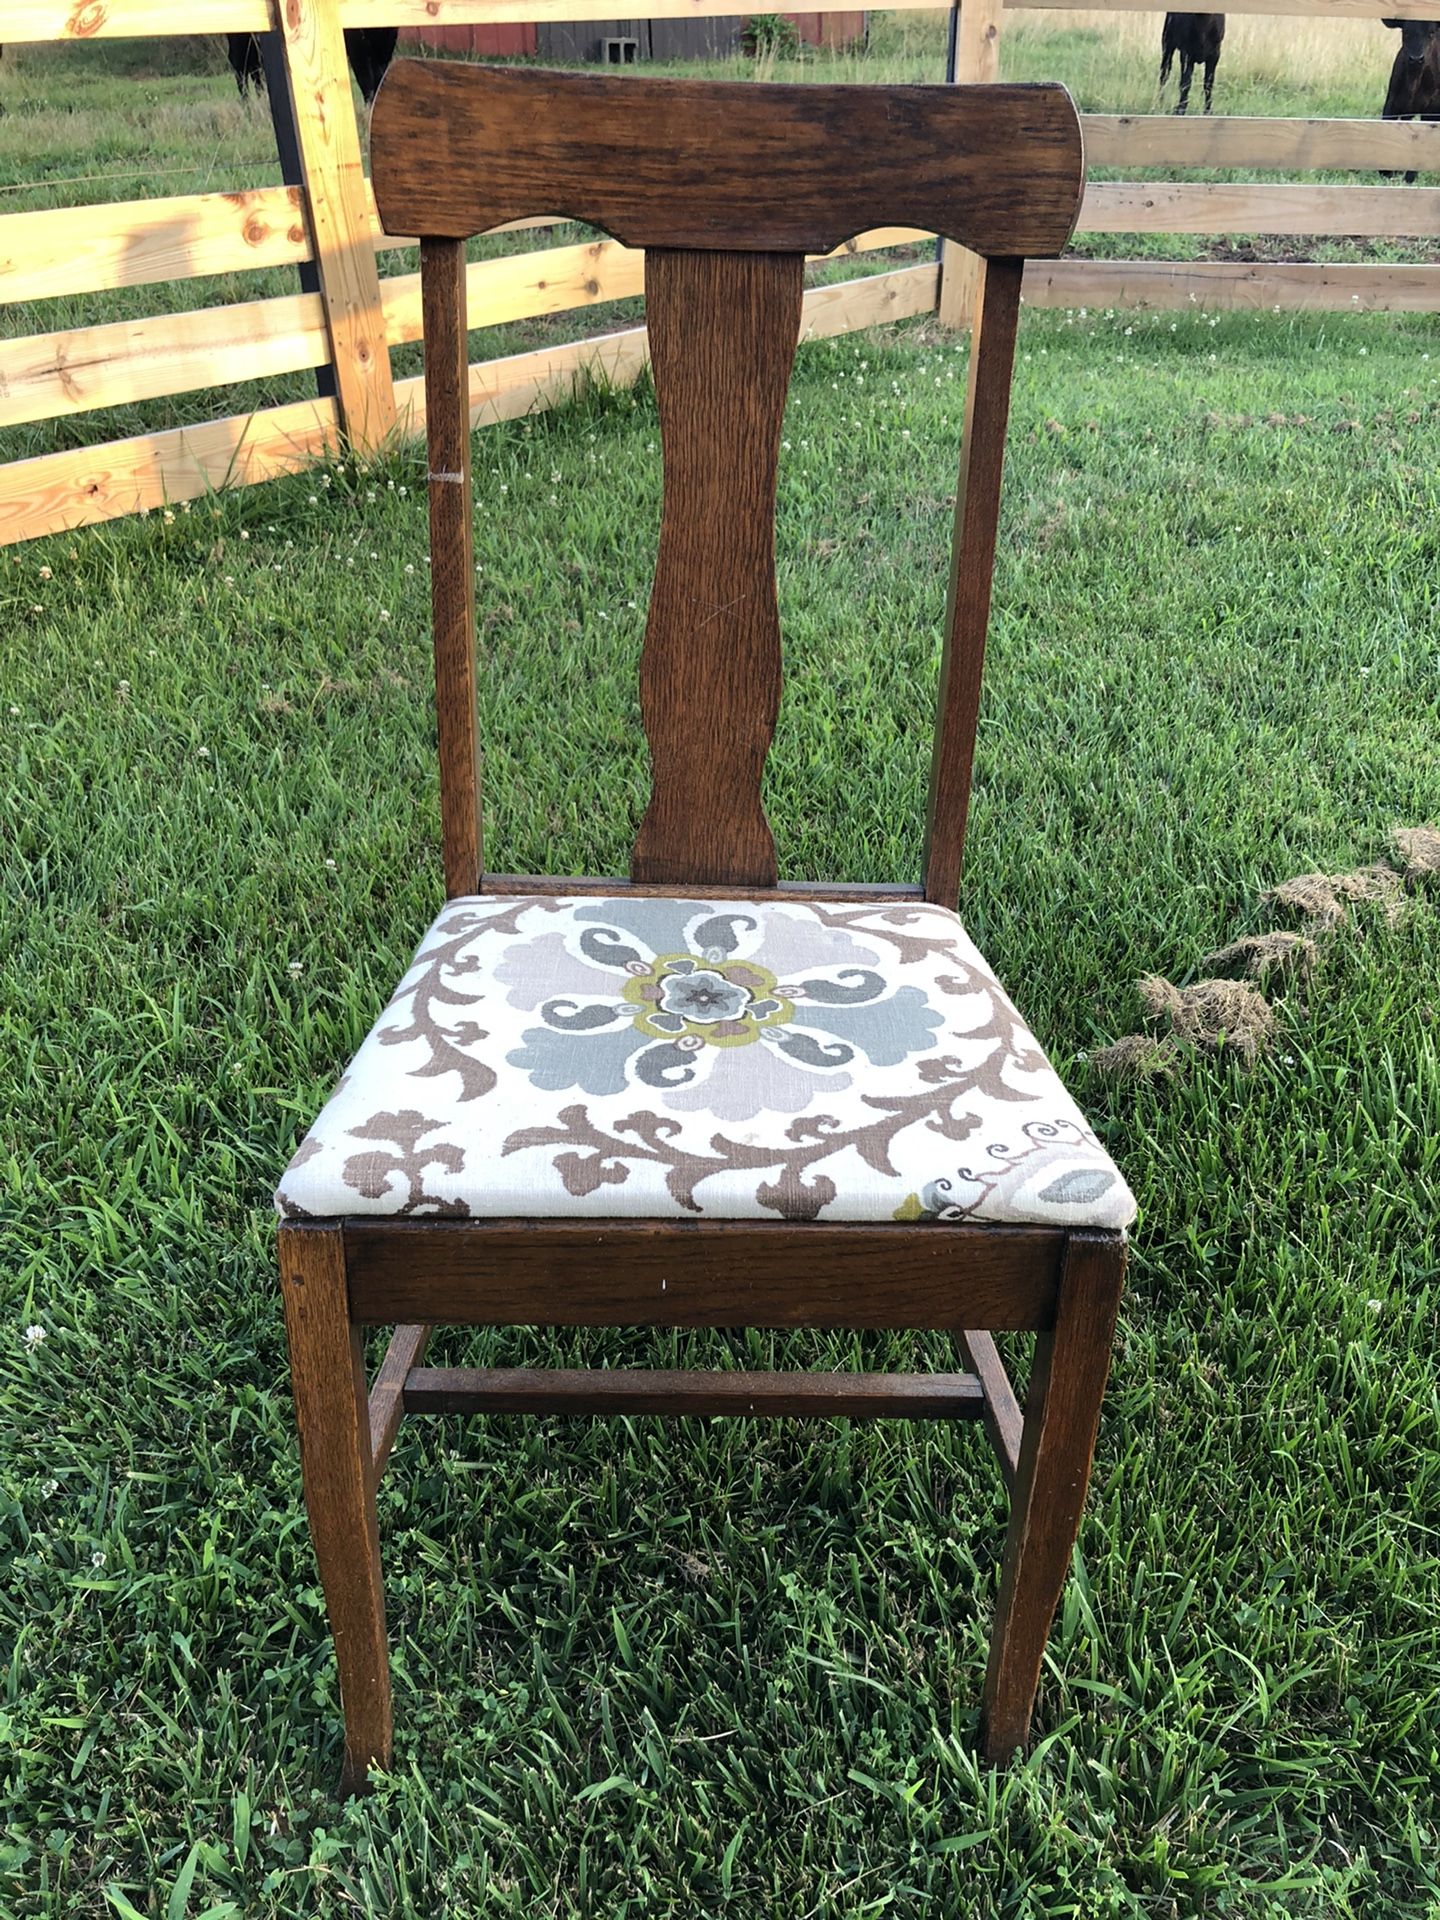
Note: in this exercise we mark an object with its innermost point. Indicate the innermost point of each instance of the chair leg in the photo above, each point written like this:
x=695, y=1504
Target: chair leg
x=1062, y=1415
x=328, y=1373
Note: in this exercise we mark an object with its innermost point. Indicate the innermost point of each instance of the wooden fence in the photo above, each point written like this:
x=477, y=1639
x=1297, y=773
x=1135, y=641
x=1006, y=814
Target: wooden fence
x=356, y=316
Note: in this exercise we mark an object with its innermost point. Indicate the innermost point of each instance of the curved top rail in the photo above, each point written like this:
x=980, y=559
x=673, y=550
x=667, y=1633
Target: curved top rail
x=458, y=149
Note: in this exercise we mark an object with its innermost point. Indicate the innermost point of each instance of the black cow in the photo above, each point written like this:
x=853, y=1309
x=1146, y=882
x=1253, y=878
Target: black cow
x=1196, y=38
x=368, y=49
x=1414, y=90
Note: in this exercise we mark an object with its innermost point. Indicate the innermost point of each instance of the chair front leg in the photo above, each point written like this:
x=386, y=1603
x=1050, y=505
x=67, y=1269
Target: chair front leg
x=327, y=1369
x=1062, y=1416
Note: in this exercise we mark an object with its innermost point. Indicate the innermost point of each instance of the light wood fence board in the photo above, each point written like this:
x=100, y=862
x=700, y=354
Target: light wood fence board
x=32, y=20
x=977, y=61
x=1171, y=206
x=1247, y=285
x=509, y=388
x=1282, y=9
x=1221, y=140
x=56, y=491
x=337, y=197
x=131, y=243
x=50, y=376
x=523, y=286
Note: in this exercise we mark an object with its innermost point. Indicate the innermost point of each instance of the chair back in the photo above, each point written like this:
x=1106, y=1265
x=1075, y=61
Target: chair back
x=728, y=187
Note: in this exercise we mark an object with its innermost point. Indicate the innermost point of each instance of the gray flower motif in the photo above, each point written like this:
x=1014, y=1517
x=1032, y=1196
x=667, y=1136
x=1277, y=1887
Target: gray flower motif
x=703, y=996
x=676, y=995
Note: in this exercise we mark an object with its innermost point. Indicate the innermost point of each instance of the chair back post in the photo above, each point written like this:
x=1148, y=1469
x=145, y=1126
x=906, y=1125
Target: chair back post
x=452, y=567
x=972, y=565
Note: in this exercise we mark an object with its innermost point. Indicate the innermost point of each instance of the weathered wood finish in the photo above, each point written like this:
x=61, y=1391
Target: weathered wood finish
x=1195, y=206
x=975, y=55
x=603, y=1390
x=723, y=329
x=972, y=560
x=1221, y=140
x=1233, y=285
x=722, y=1273
x=329, y=141
x=1062, y=1417
x=694, y=163
x=327, y=1371
x=452, y=565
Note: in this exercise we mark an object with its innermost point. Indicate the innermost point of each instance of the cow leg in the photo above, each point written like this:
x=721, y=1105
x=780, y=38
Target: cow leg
x=1187, y=74
x=1210, y=66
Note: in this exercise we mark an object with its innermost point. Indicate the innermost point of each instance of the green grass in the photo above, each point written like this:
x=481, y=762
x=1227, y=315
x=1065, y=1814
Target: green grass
x=705, y=1668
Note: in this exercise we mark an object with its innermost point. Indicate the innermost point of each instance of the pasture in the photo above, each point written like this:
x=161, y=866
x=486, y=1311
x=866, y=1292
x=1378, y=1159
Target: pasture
x=645, y=1669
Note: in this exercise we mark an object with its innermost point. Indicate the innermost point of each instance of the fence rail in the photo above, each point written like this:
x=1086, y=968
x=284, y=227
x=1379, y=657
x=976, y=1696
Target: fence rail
x=358, y=315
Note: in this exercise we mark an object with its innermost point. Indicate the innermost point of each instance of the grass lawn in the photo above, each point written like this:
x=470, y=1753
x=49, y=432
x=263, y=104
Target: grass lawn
x=650, y=1669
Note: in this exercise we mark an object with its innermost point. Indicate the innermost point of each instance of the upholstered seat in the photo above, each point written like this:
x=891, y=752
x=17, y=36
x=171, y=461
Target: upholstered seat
x=727, y=1059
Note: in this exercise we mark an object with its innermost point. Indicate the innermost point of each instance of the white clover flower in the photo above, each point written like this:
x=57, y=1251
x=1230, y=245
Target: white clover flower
x=35, y=1335
x=97, y=1559
x=297, y=967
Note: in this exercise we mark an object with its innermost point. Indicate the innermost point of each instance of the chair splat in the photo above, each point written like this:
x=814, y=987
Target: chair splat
x=723, y=330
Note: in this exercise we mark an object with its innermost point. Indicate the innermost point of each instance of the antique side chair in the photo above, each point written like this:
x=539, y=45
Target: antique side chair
x=702, y=1097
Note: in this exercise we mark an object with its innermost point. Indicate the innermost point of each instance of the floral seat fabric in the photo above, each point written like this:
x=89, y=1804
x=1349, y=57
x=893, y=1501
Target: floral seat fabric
x=741, y=1059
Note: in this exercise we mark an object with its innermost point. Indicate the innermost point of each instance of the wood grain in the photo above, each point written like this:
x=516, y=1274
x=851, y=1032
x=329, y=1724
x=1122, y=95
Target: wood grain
x=700, y=1274
x=806, y=890
x=603, y=1390
x=134, y=242
x=457, y=149
x=1003, y=1419
x=327, y=1370
x=573, y=278
x=1062, y=1416
x=1189, y=206
x=1224, y=285
x=976, y=62
x=55, y=491
x=50, y=376
x=335, y=194
x=452, y=566
x=387, y=1393
x=32, y=20
x=723, y=329
x=1222, y=140
x=972, y=560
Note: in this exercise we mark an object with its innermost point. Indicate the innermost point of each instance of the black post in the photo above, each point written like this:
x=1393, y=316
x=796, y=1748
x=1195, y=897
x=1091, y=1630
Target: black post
x=287, y=145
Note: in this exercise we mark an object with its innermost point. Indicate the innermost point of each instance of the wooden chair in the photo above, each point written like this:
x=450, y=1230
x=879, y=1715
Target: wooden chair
x=703, y=1098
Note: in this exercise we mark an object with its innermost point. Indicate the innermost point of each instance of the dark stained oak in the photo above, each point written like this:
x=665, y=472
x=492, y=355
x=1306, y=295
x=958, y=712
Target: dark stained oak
x=710, y=671
x=327, y=1372
x=972, y=562
x=691, y=163
x=1003, y=1419
x=727, y=188
x=452, y=566
x=387, y=1393
x=882, y=893
x=681, y=1273
x=604, y=1390
x=1062, y=1417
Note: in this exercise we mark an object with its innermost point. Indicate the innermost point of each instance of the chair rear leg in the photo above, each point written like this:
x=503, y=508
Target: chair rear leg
x=327, y=1369
x=1062, y=1415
